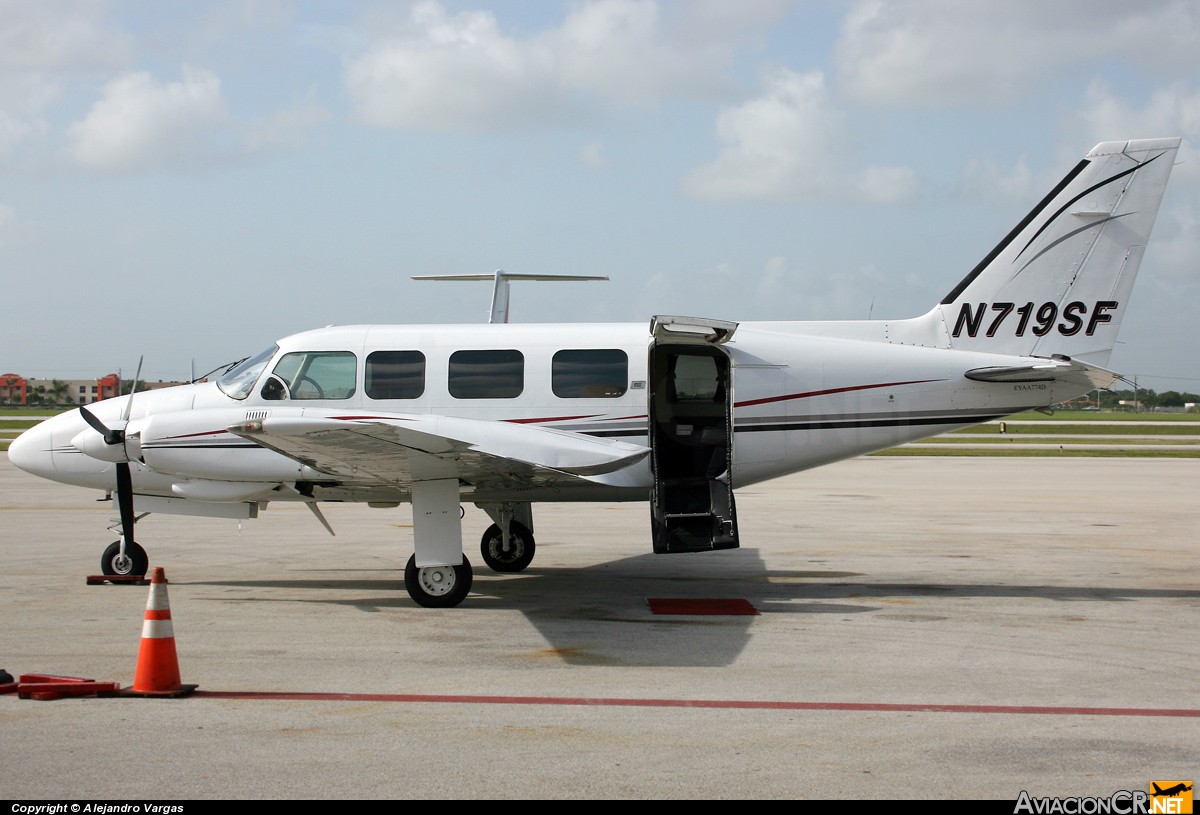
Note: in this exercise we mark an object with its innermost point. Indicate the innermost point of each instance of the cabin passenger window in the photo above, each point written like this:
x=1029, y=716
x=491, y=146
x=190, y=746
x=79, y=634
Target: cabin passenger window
x=486, y=374
x=599, y=373
x=313, y=375
x=395, y=374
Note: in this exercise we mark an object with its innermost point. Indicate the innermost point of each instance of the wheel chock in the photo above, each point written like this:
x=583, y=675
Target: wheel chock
x=26, y=679
x=117, y=580
x=45, y=691
x=157, y=672
x=45, y=687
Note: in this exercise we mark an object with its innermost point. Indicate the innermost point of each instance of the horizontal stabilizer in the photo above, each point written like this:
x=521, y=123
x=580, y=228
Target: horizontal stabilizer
x=1059, y=369
x=501, y=278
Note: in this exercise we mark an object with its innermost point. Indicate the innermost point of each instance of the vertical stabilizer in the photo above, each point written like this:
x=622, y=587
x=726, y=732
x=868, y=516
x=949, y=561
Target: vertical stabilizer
x=1060, y=280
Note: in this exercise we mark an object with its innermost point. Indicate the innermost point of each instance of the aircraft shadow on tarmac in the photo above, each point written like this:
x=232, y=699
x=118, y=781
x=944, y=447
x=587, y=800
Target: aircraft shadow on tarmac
x=600, y=615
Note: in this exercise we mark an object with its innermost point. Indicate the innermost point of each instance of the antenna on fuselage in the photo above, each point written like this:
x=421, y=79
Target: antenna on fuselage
x=499, y=311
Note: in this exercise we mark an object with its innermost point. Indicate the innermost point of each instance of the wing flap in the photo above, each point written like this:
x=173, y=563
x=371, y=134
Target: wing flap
x=398, y=450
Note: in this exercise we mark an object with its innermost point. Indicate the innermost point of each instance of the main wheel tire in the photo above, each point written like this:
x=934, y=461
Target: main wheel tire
x=519, y=554
x=438, y=586
x=135, y=561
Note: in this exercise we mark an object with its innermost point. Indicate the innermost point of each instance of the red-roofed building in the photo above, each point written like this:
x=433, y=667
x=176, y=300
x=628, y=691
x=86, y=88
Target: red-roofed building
x=12, y=389
x=108, y=386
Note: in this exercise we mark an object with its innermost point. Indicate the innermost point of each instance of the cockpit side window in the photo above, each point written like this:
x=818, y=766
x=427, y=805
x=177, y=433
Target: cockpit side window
x=238, y=380
x=313, y=375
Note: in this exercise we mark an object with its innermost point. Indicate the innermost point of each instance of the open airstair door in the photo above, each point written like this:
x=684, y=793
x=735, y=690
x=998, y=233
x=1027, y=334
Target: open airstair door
x=691, y=435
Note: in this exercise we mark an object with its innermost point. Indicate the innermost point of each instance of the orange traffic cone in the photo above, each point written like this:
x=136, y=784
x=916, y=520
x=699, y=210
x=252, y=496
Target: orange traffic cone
x=158, y=665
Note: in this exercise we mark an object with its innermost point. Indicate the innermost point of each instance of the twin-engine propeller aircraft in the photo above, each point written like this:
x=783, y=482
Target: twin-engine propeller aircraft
x=508, y=415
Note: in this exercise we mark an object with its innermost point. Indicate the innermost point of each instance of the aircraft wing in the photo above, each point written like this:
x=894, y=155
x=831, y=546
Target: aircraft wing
x=397, y=450
x=1051, y=369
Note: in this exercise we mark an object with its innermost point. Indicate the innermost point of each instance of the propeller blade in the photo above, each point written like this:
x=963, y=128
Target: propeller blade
x=110, y=436
x=133, y=388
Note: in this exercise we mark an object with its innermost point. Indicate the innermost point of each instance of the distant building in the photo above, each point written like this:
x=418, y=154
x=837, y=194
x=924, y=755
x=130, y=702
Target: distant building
x=86, y=391
x=12, y=389
x=16, y=390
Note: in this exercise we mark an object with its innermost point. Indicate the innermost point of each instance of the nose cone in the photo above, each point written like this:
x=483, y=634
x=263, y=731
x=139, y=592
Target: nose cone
x=46, y=451
x=31, y=451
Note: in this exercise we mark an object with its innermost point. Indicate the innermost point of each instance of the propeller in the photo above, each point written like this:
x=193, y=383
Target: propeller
x=112, y=436
x=113, y=447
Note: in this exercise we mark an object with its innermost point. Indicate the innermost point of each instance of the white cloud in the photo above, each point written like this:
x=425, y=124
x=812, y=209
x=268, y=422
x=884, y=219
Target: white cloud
x=792, y=143
x=141, y=122
x=42, y=45
x=444, y=71
x=618, y=50
x=1168, y=277
x=58, y=35
x=931, y=53
x=1170, y=111
x=450, y=71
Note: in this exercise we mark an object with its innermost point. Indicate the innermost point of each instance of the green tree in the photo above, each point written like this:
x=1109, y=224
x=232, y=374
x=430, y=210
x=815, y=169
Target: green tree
x=57, y=391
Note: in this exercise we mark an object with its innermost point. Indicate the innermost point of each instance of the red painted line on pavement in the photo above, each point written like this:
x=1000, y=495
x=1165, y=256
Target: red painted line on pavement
x=736, y=704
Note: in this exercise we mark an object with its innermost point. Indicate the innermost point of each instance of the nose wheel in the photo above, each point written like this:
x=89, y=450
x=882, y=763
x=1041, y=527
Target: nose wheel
x=438, y=586
x=134, y=561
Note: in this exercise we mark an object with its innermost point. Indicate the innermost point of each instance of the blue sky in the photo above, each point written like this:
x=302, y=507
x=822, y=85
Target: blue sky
x=192, y=180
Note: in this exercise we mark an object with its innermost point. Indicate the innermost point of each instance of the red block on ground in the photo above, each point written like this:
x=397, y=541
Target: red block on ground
x=698, y=605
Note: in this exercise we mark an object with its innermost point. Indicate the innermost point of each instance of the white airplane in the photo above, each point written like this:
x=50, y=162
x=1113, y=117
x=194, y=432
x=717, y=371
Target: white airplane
x=679, y=413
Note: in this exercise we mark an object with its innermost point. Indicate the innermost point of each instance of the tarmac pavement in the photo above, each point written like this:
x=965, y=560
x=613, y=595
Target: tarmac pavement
x=929, y=628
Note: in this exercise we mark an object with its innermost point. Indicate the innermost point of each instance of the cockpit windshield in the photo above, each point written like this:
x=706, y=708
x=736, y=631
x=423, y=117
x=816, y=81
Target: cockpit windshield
x=238, y=379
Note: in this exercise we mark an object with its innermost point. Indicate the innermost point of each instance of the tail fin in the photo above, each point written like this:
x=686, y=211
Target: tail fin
x=1059, y=282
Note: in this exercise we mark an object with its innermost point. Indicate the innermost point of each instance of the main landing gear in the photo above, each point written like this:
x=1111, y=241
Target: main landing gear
x=507, y=546
x=438, y=586
x=512, y=555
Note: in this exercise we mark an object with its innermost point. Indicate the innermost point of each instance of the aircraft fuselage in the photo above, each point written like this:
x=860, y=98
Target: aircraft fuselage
x=800, y=400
